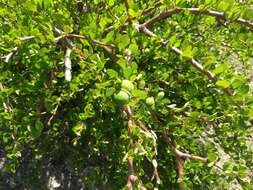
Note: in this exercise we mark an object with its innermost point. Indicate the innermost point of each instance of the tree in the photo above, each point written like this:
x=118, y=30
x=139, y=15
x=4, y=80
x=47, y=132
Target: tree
x=147, y=93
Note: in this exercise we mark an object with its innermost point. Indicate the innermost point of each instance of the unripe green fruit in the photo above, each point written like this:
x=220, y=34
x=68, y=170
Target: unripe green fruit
x=127, y=85
x=160, y=95
x=122, y=97
x=150, y=101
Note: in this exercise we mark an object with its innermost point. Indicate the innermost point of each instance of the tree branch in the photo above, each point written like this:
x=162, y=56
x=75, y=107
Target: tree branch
x=160, y=16
x=180, y=154
x=126, y=4
x=180, y=171
x=193, y=62
x=131, y=177
x=219, y=15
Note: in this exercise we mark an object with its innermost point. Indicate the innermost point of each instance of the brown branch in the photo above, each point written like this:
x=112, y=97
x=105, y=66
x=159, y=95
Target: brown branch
x=180, y=171
x=180, y=154
x=219, y=15
x=64, y=41
x=131, y=180
x=155, y=171
x=197, y=65
x=245, y=23
x=110, y=49
x=126, y=4
x=193, y=62
x=180, y=168
x=160, y=16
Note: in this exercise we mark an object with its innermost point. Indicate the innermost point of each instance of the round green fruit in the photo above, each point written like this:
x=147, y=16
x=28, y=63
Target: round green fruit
x=127, y=85
x=160, y=95
x=122, y=97
x=150, y=101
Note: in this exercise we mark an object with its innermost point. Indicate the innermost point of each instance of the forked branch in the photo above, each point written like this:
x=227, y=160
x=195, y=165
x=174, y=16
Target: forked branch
x=180, y=154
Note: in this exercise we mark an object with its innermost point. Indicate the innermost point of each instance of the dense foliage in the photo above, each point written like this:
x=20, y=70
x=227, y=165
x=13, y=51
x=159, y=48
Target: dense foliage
x=145, y=94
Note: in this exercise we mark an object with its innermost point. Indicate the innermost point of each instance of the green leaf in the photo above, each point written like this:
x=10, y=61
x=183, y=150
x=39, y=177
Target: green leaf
x=139, y=94
x=223, y=83
x=109, y=91
x=112, y=73
x=221, y=68
x=132, y=12
x=128, y=72
x=187, y=53
x=37, y=129
x=123, y=41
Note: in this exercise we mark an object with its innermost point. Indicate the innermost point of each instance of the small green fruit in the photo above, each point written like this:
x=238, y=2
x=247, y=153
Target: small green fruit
x=122, y=97
x=150, y=101
x=127, y=85
x=160, y=95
